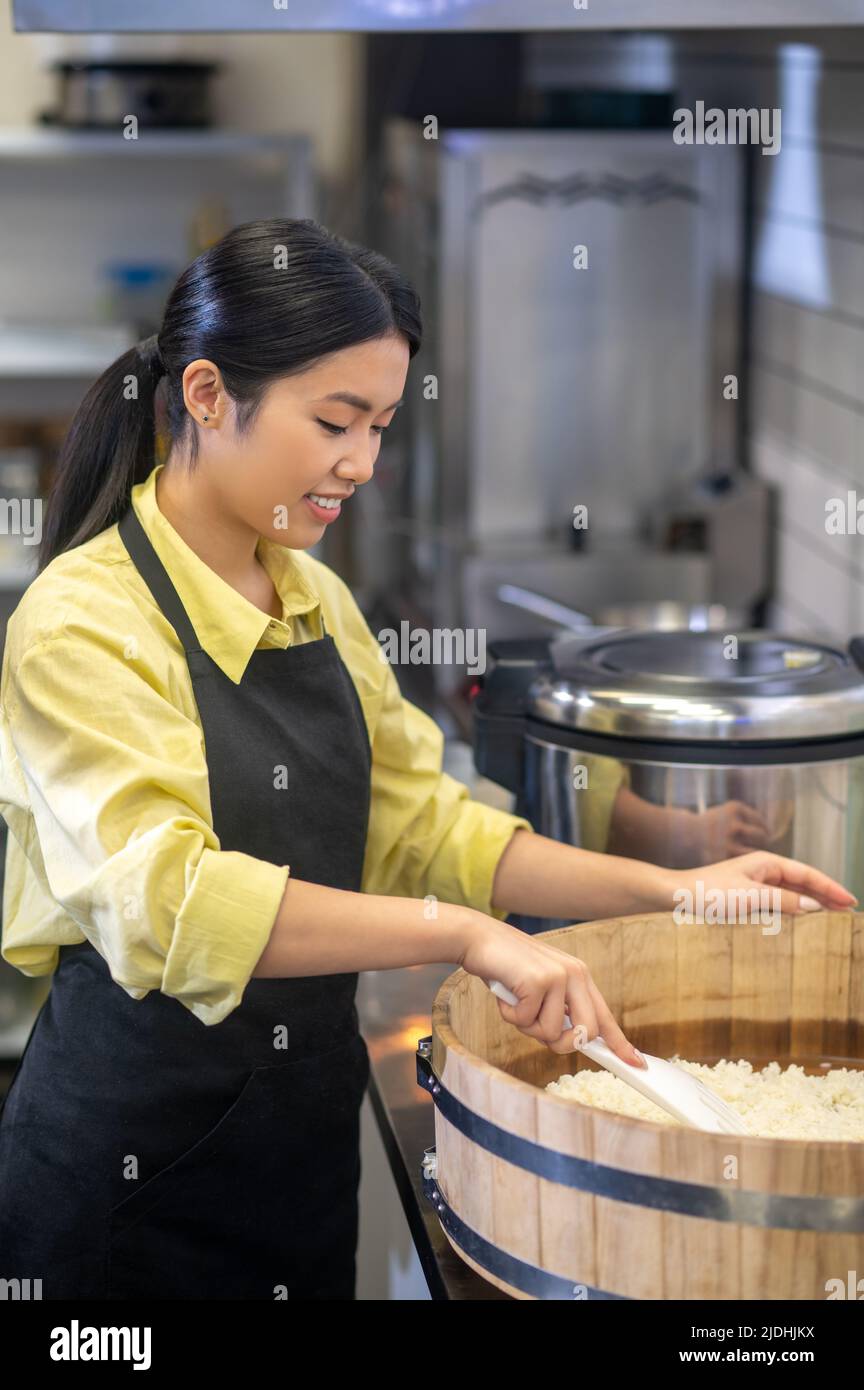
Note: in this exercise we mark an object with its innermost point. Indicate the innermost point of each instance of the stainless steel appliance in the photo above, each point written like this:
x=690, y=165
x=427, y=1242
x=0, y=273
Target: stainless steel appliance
x=682, y=748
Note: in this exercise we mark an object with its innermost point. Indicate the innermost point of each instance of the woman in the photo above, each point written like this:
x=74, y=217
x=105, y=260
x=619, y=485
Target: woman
x=221, y=809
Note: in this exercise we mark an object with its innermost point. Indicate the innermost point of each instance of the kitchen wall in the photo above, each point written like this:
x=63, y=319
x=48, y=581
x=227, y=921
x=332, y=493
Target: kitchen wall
x=808, y=347
x=806, y=412
x=803, y=386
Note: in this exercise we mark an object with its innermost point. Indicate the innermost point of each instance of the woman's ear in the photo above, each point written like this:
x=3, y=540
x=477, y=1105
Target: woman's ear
x=204, y=392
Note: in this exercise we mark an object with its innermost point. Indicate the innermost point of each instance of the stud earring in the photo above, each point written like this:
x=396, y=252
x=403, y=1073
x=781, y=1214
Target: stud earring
x=205, y=417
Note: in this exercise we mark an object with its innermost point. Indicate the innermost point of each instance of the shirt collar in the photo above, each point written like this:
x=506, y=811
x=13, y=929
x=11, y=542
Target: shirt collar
x=229, y=627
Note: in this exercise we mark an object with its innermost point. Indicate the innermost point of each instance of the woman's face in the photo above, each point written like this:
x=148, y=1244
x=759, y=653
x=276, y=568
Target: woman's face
x=317, y=433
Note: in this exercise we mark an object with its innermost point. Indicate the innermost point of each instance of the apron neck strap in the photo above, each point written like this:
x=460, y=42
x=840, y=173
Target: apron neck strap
x=157, y=579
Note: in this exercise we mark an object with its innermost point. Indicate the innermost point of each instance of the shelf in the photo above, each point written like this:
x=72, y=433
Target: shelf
x=50, y=143
x=60, y=350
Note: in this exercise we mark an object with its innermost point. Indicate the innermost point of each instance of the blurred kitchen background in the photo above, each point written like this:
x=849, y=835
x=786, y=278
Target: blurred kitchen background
x=699, y=388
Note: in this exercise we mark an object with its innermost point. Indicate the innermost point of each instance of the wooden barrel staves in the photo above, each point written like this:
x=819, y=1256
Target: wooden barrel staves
x=549, y=1198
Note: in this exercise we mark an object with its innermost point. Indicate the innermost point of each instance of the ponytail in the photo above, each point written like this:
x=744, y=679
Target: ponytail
x=265, y=302
x=109, y=448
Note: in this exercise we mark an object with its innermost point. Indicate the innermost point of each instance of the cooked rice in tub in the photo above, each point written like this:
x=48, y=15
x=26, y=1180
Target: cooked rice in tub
x=776, y=1103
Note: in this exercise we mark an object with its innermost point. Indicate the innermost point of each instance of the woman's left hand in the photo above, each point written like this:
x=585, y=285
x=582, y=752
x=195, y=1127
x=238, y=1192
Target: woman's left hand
x=798, y=887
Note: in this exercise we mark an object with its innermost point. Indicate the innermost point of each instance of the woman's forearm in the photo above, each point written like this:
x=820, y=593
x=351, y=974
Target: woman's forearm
x=324, y=931
x=543, y=878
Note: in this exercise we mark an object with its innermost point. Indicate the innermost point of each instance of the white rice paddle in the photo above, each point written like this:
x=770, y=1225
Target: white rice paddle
x=671, y=1087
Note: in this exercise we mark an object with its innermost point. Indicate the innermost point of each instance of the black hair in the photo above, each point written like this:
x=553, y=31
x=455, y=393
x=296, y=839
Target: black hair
x=266, y=301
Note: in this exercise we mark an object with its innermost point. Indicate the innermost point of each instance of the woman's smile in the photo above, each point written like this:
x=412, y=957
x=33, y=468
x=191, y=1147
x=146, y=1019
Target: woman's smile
x=324, y=510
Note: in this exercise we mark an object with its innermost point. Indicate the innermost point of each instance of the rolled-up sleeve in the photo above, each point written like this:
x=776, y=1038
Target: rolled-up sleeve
x=117, y=783
x=427, y=836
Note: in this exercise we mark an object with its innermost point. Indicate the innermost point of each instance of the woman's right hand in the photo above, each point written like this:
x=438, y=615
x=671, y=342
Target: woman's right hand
x=547, y=983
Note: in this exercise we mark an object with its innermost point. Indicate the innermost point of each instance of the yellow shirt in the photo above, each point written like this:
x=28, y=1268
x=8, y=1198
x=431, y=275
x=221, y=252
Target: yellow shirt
x=103, y=778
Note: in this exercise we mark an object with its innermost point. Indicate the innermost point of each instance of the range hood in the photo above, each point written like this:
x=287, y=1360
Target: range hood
x=407, y=16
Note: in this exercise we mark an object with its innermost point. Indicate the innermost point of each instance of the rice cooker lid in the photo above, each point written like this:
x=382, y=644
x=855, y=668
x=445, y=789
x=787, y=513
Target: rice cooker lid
x=701, y=685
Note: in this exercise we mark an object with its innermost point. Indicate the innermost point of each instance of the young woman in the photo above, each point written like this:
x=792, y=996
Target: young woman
x=221, y=809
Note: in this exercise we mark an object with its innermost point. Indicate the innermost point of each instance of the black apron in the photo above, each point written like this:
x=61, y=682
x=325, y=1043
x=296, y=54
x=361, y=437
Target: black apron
x=244, y=1134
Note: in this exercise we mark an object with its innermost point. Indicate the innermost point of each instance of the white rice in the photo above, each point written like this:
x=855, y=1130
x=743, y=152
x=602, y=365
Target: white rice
x=776, y=1103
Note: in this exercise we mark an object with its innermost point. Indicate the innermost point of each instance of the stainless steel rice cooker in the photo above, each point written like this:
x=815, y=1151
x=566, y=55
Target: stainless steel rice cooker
x=681, y=748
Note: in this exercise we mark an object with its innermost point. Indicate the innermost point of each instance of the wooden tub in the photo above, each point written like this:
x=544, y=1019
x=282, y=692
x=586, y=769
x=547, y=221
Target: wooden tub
x=548, y=1198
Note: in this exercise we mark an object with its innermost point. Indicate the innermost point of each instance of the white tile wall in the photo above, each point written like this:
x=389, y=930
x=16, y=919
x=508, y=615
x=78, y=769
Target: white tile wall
x=807, y=349
x=809, y=344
